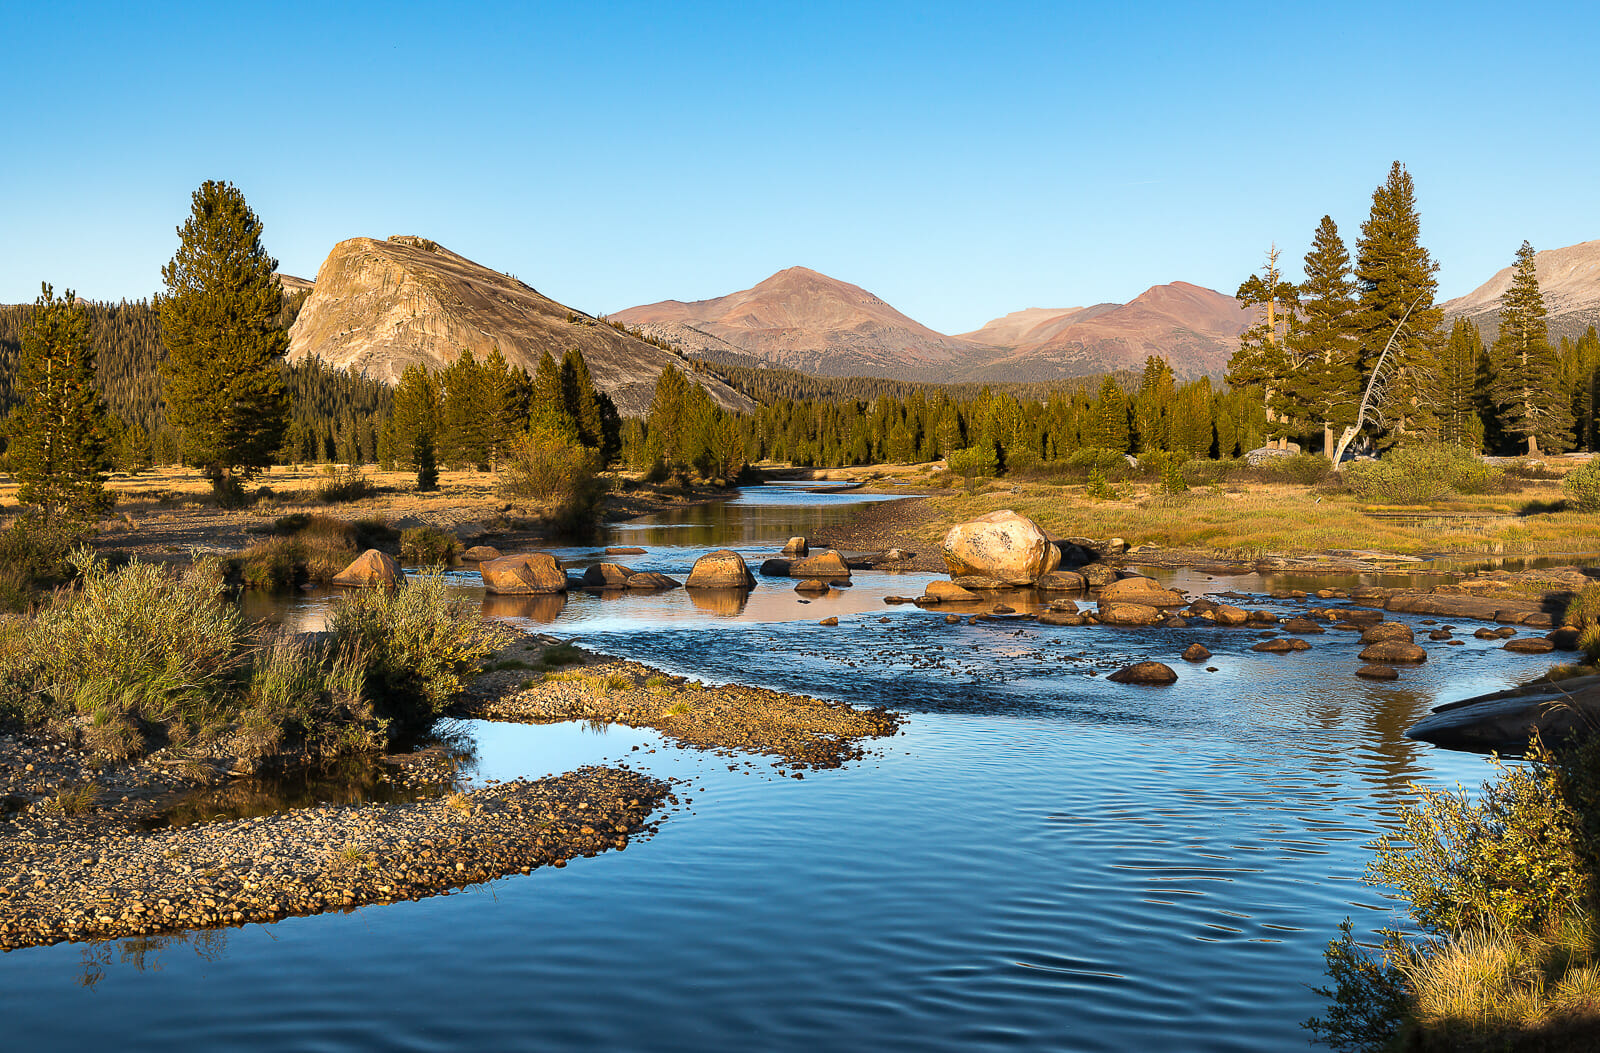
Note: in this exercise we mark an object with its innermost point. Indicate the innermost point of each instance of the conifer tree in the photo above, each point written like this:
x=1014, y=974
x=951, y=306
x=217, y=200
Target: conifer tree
x=220, y=324
x=1523, y=385
x=1459, y=397
x=464, y=424
x=1110, y=425
x=665, y=430
x=1262, y=363
x=1328, y=381
x=57, y=432
x=1580, y=374
x=134, y=452
x=1191, y=419
x=1395, y=274
x=1152, y=407
x=580, y=399
x=416, y=413
x=547, y=405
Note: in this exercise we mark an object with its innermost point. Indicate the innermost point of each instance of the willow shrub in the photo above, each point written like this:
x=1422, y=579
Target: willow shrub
x=1583, y=486
x=419, y=646
x=1415, y=475
x=545, y=473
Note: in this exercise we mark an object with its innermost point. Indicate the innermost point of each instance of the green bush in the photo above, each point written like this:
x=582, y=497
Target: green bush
x=142, y=642
x=419, y=646
x=298, y=691
x=1112, y=465
x=428, y=546
x=1583, y=486
x=561, y=480
x=1302, y=469
x=973, y=463
x=345, y=484
x=1413, y=475
x=33, y=556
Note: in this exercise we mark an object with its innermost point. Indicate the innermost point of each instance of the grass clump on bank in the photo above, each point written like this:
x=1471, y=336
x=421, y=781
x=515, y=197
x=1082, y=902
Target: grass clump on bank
x=1505, y=886
x=313, y=548
x=428, y=546
x=146, y=656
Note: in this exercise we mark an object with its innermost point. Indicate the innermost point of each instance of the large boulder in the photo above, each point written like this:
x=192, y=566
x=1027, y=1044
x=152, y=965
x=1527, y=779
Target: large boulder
x=825, y=564
x=526, y=574
x=796, y=546
x=1147, y=591
x=1389, y=631
x=371, y=570
x=1001, y=546
x=1505, y=720
x=607, y=576
x=722, y=569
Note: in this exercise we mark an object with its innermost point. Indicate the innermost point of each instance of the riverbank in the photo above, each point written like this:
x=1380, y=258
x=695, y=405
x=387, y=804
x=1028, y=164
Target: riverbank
x=75, y=881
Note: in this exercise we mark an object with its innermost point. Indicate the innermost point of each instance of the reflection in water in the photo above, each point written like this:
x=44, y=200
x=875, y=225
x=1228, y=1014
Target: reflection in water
x=544, y=608
x=724, y=603
x=143, y=953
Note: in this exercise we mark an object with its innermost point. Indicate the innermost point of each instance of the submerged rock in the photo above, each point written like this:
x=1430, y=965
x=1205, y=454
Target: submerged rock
x=1389, y=651
x=1377, y=672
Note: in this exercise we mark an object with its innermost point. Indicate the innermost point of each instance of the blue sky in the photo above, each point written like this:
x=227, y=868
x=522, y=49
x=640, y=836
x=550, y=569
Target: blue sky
x=958, y=160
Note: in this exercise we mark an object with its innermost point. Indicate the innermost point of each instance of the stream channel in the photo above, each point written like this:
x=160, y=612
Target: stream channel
x=1042, y=859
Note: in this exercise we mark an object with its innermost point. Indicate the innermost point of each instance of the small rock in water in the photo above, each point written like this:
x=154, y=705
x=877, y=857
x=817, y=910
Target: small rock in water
x=829, y=621
x=1388, y=631
x=1530, y=645
x=1144, y=673
x=1195, y=653
x=1377, y=672
x=952, y=619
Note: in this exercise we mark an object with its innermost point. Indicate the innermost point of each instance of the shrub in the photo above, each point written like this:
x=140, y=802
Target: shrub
x=1112, y=465
x=1582, y=485
x=141, y=640
x=1302, y=469
x=1419, y=474
x=419, y=646
x=1172, y=477
x=345, y=484
x=428, y=546
x=973, y=463
x=1513, y=861
x=560, y=479
x=299, y=690
x=33, y=555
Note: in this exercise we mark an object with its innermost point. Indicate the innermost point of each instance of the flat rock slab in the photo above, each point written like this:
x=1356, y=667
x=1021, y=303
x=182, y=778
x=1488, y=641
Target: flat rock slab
x=1375, y=671
x=1390, y=651
x=1505, y=720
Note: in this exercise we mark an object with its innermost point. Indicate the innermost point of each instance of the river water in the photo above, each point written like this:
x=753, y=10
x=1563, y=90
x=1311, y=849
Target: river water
x=1040, y=860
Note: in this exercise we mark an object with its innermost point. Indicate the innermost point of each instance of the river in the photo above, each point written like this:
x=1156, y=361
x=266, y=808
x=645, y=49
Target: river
x=1040, y=860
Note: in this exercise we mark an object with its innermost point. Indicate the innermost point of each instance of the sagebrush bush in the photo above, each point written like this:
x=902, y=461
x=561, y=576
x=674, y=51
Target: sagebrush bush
x=1419, y=474
x=1582, y=486
x=428, y=546
x=561, y=480
x=419, y=646
x=142, y=640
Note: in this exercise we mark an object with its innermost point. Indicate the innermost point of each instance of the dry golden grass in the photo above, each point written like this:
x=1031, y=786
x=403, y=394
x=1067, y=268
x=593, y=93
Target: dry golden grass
x=1257, y=519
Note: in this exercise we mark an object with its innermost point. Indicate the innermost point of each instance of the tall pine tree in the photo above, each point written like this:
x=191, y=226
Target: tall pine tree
x=1457, y=406
x=1262, y=363
x=1394, y=275
x=220, y=321
x=1328, y=382
x=57, y=432
x=1524, y=371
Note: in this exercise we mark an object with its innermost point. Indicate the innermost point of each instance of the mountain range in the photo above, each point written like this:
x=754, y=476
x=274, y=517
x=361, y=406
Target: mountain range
x=1569, y=280
x=807, y=321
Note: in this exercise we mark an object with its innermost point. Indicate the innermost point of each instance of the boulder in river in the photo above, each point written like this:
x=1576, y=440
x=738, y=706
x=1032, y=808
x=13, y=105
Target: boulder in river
x=1098, y=575
x=525, y=574
x=1225, y=614
x=480, y=554
x=1129, y=614
x=947, y=592
x=607, y=576
x=1144, y=673
x=1388, y=631
x=1391, y=651
x=1002, y=546
x=722, y=569
x=1055, y=617
x=826, y=564
x=1375, y=671
x=1147, y=591
x=1062, y=581
x=1529, y=645
x=1195, y=653
x=624, y=550
x=649, y=579
x=813, y=586
x=1303, y=627
x=371, y=570
x=796, y=546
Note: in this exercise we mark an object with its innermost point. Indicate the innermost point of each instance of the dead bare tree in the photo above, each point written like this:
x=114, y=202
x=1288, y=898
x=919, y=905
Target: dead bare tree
x=1376, y=386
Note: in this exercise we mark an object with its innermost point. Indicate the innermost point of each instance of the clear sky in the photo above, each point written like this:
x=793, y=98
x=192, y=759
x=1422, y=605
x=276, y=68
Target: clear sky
x=958, y=160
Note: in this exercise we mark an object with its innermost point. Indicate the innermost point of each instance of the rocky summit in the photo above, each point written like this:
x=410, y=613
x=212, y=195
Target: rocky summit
x=380, y=306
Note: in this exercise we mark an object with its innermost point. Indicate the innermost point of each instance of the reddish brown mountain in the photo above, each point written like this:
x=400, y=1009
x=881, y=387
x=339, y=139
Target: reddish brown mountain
x=803, y=320
x=1195, y=329
x=817, y=324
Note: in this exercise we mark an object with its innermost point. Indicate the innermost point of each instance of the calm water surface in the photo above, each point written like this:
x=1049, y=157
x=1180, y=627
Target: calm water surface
x=1041, y=860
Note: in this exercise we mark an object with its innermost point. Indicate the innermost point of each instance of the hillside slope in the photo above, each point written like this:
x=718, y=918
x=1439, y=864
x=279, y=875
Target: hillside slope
x=1568, y=277
x=380, y=306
